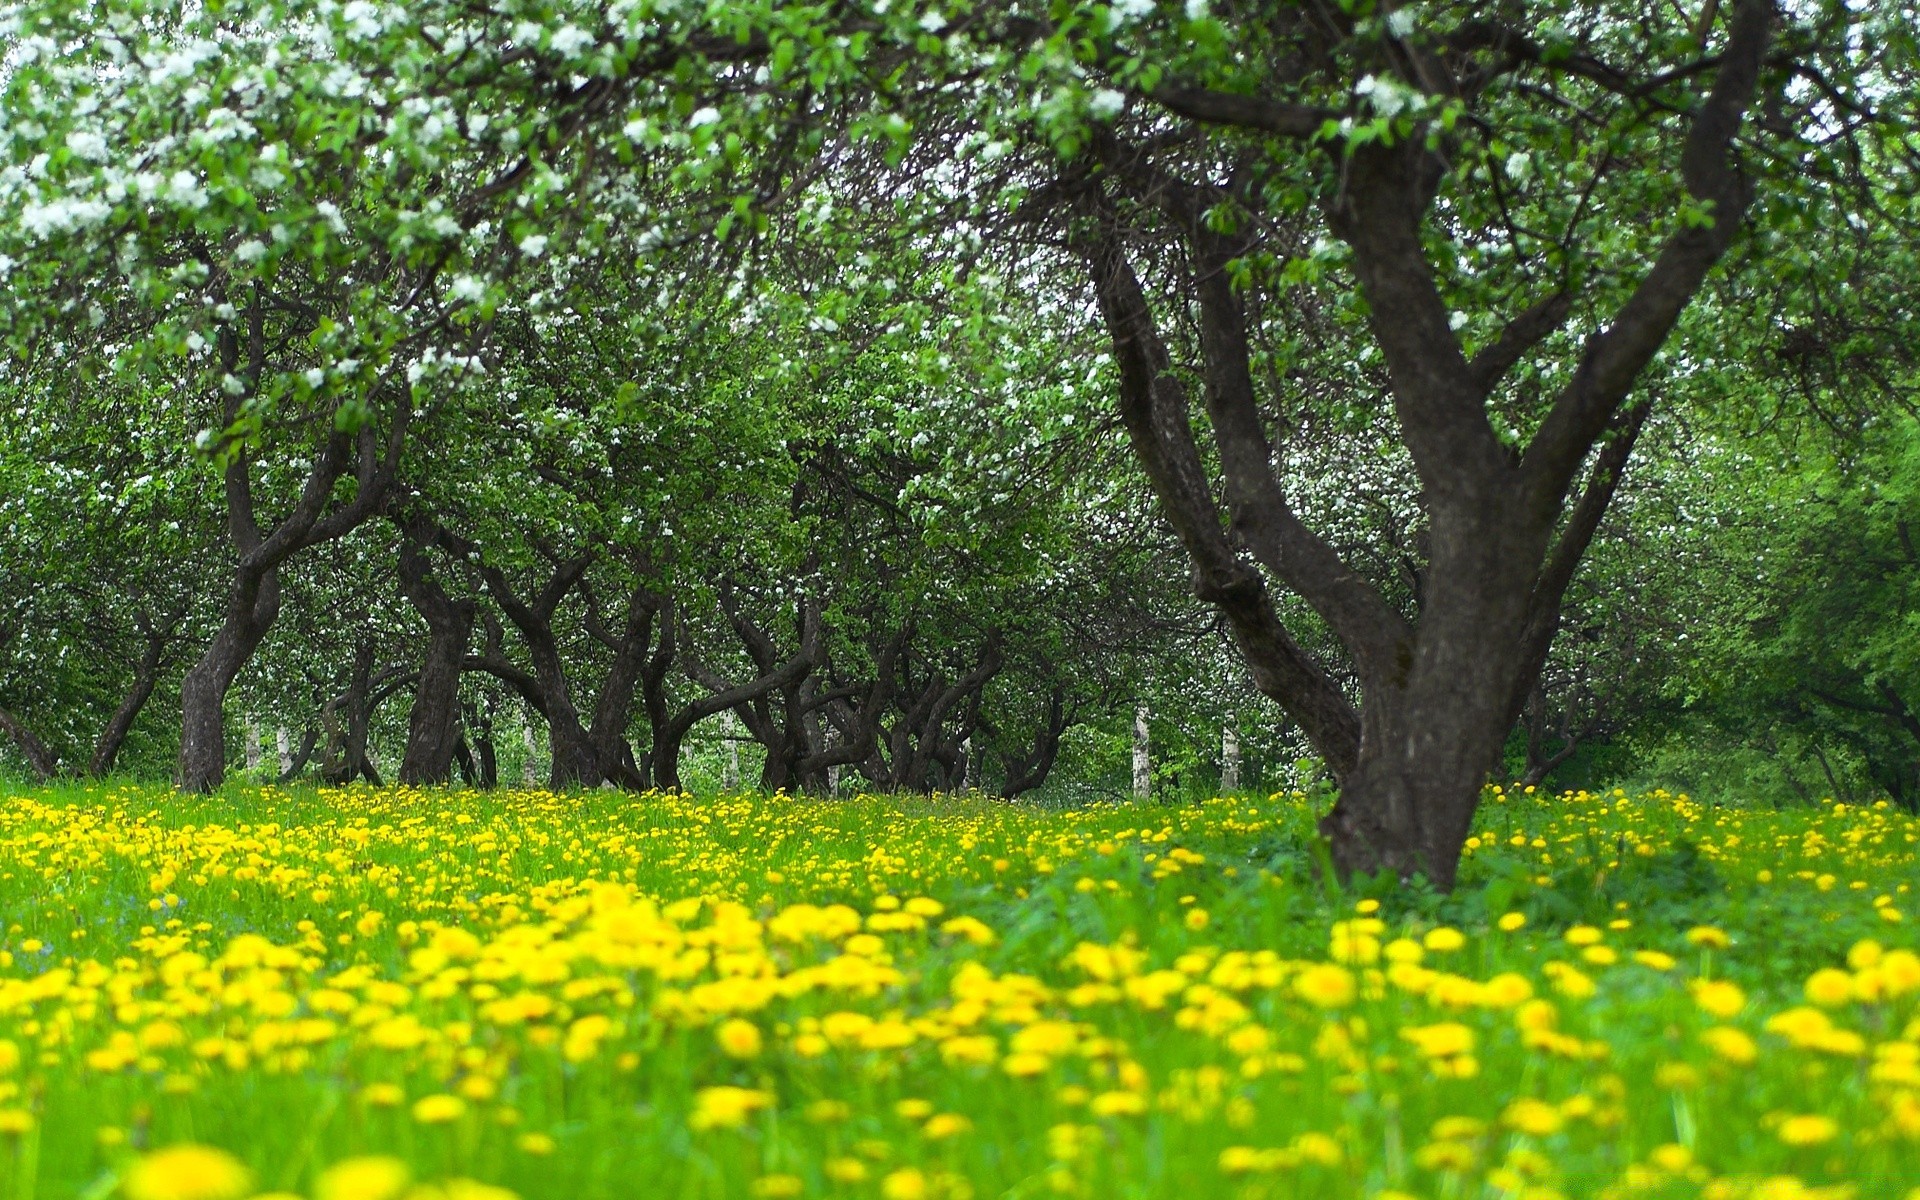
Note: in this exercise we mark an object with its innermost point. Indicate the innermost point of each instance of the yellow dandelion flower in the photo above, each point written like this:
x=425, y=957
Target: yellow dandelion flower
x=738, y=1038
x=439, y=1109
x=905, y=1184
x=375, y=1177
x=1807, y=1130
x=188, y=1172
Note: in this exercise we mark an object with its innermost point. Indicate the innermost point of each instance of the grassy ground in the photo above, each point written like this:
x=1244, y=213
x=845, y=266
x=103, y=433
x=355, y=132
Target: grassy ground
x=362, y=995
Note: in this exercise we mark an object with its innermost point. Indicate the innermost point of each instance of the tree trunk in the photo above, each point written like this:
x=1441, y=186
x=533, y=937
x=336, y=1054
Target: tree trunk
x=433, y=724
x=146, y=677
x=40, y=760
x=1428, y=744
x=480, y=724
x=1142, y=759
x=254, y=604
x=1229, y=758
x=1031, y=769
x=352, y=762
x=297, y=761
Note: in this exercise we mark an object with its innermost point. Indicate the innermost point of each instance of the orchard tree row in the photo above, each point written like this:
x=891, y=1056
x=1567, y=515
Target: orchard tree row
x=907, y=384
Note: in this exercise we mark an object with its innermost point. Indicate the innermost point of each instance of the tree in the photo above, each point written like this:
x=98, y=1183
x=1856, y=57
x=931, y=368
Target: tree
x=1472, y=169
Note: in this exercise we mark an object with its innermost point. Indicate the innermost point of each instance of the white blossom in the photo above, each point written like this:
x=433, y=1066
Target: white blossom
x=570, y=40
x=88, y=145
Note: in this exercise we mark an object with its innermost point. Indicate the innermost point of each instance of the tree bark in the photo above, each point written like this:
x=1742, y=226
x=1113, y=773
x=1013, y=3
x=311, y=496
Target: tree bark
x=40, y=760
x=433, y=724
x=1031, y=769
x=146, y=677
x=1142, y=756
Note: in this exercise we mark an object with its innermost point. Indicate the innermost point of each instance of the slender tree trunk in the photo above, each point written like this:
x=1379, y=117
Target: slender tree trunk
x=297, y=761
x=529, y=773
x=1229, y=758
x=351, y=738
x=284, y=746
x=1142, y=759
x=146, y=678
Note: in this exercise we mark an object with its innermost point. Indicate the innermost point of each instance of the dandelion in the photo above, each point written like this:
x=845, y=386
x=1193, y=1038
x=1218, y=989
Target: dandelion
x=188, y=1172
x=738, y=1039
x=1829, y=988
x=1807, y=1130
x=370, y=1178
x=1720, y=998
x=906, y=1184
x=1325, y=986
x=726, y=1107
x=439, y=1109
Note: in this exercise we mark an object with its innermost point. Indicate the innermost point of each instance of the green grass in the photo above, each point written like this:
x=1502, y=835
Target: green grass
x=1136, y=1001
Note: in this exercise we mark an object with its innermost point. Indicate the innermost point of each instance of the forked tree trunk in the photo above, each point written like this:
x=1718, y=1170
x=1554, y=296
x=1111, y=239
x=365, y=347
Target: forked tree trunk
x=1440, y=687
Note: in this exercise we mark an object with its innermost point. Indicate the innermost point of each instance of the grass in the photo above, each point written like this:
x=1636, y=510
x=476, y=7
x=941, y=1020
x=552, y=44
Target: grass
x=359, y=995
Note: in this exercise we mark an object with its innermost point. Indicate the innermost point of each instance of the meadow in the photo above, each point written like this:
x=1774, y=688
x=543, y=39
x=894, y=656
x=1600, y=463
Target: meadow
x=371, y=994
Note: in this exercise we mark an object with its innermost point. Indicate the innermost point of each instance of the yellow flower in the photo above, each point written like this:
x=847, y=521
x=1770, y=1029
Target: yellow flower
x=738, y=1039
x=1707, y=937
x=383, y=1095
x=1809, y=1130
x=1444, y=940
x=1118, y=1104
x=726, y=1107
x=538, y=1144
x=1513, y=921
x=1829, y=988
x=1440, y=1041
x=845, y=1170
x=15, y=1120
x=188, y=1172
x=1718, y=997
x=778, y=1187
x=1534, y=1117
x=945, y=1125
x=1583, y=935
x=439, y=1109
x=1731, y=1044
x=1196, y=919
x=906, y=1184
x=376, y=1177
x=1325, y=986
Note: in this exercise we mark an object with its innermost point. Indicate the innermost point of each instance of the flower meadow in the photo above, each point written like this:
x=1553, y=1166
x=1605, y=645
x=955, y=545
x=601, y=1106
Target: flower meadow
x=370, y=995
